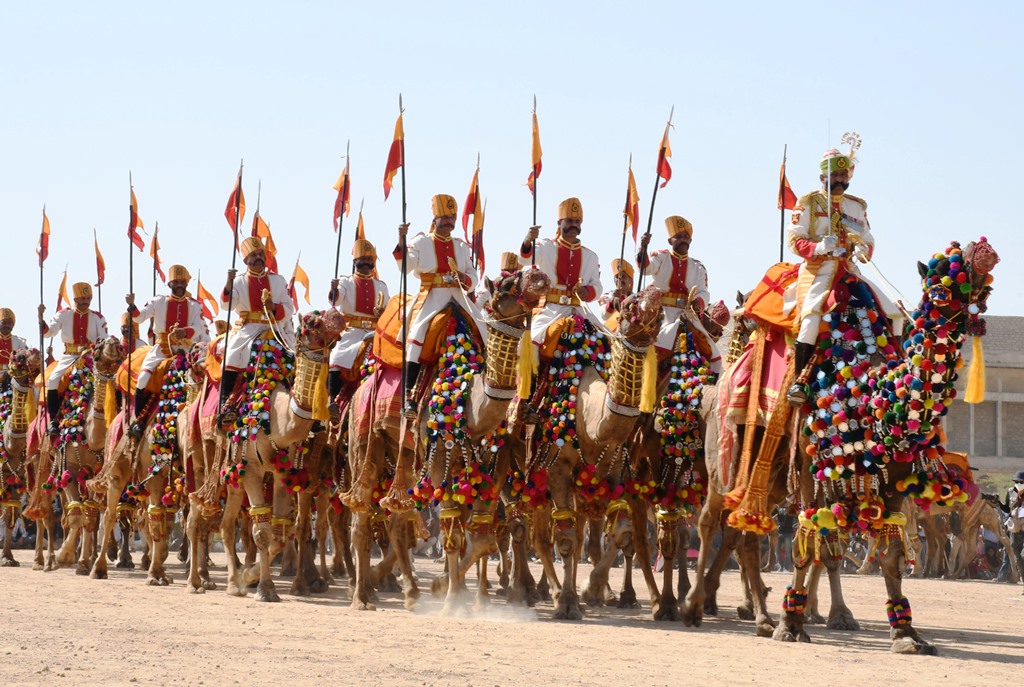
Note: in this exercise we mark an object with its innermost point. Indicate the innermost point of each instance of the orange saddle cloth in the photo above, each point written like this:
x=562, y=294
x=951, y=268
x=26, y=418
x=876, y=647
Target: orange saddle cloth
x=387, y=341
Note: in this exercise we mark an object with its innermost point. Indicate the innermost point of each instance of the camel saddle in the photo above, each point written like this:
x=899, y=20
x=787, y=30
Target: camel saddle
x=79, y=364
x=387, y=342
x=128, y=372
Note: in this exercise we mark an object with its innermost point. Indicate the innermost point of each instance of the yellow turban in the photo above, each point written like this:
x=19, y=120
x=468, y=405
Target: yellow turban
x=676, y=224
x=125, y=319
x=249, y=245
x=443, y=205
x=178, y=273
x=570, y=208
x=7, y=314
x=622, y=266
x=509, y=262
x=363, y=249
x=220, y=326
x=81, y=289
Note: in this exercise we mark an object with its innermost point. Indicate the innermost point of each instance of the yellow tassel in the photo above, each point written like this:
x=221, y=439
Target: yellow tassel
x=649, y=387
x=30, y=406
x=110, y=403
x=976, y=375
x=527, y=365
x=320, y=394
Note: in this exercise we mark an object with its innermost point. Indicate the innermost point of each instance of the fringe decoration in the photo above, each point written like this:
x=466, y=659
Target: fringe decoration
x=31, y=409
x=109, y=402
x=649, y=387
x=976, y=376
x=527, y=365
x=734, y=497
x=319, y=409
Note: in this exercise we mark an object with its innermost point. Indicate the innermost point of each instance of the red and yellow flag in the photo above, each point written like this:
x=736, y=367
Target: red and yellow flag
x=261, y=229
x=787, y=199
x=632, y=209
x=396, y=156
x=298, y=275
x=207, y=300
x=535, y=157
x=62, y=292
x=360, y=229
x=471, y=206
x=234, y=213
x=134, y=221
x=477, y=244
x=101, y=266
x=341, y=203
x=43, y=249
x=664, y=153
x=154, y=252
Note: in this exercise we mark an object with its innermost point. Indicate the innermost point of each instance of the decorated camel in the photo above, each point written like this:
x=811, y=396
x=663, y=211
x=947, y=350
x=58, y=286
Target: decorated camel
x=466, y=398
x=17, y=410
x=66, y=462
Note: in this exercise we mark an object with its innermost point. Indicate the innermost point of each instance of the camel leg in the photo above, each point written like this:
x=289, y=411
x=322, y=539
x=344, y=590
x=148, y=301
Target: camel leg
x=228, y=526
x=566, y=540
x=7, y=559
x=262, y=534
x=197, y=528
x=542, y=545
x=667, y=607
x=750, y=553
x=72, y=522
x=594, y=531
x=99, y=569
x=681, y=560
x=303, y=532
x=522, y=587
x=905, y=639
x=812, y=616
x=159, y=520
x=38, y=560
x=453, y=538
x=403, y=536
x=321, y=532
x=620, y=539
x=707, y=522
x=362, y=543
x=794, y=601
x=124, y=552
x=840, y=617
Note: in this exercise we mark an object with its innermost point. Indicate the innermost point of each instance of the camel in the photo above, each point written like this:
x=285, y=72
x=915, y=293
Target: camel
x=978, y=512
x=23, y=368
x=66, y=463
x=247, y=455
x=907, y=399
x=376, y=435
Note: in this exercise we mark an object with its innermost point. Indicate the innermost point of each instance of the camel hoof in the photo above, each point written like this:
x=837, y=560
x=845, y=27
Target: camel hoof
x=125, y=564
x=235, y=589
x=208, y=585
x=913, y=645
x=665, y=609
x=82, y=568
x=297, y=590
x=593, y=599
x=568, y=614
x=37, y=566
x=358, y=605
x=745, y=612
x=183, y=555
x=766, y=628
x=146, y=560
x=98, y=574
x=787, y=633
x=288, y=572
x=813, y=618
x=51, y=565
x=267, y=593
x=439, y=585
x=628, y=600
x=389, y=583
x=710, y=606
x=843, y=621
x=9, y=563
x=196, y=589
x=318, y=586
x=154, y=581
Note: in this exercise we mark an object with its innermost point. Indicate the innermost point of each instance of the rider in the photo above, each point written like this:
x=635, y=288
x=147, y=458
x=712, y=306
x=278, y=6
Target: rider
x=611, y=302
x=260, y=299
x=444, y=265
x=9, y=343
x=574, y=270
x=828, y=229
x=79, y=328
x=683, y=281
x=177, y=321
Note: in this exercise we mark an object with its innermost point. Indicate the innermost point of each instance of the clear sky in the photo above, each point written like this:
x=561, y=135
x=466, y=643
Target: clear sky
x=177, y=93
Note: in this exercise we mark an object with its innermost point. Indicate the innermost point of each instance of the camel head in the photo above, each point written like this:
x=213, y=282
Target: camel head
x=513, y=294
x=197, y=360
x=641, y=316
x=108, y=354
x=25, y=365
x=320, y=329
x=957, y=283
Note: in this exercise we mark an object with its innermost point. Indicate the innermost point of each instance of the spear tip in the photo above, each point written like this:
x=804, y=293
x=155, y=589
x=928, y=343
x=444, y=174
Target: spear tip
x=671, y=113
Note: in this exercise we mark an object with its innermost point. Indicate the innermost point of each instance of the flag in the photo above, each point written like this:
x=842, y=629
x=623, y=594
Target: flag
x=537, y=152
x=664, y=153
x=261, y=229
x=43, y=249
x=298, y=275
x=62, y=292
x=470, y=207
x=101, y=266
x=205, y=297
x=154, y=252
x=632, y=209
x=235, y=200
x=341, y=204
x=134, y=221
x=787, y=199
x=360, y=229
x=396, y=156
x=477, y=244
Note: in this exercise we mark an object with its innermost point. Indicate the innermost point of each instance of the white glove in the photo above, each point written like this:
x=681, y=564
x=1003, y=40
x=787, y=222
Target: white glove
x=825, y=246
x=860, y=251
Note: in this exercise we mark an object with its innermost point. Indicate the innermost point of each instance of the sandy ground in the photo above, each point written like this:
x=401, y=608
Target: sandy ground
x=59, y=628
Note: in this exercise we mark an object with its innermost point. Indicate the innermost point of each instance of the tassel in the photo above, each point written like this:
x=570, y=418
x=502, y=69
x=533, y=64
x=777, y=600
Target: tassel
x=30, y=407
x=976, y=376
x=527, y=365
x=110, y=403
x=649, y=386
x=320, y=394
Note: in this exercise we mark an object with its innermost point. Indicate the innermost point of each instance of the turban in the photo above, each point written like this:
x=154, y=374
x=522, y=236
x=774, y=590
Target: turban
x=250, y=245
x=81, y=290
x=363, y=249
x=443, y=205
x=622, y=266
x=7, y=314
x=834, y=161
x=178, y=273
x=676, y=224
x=570, y=208
x=509, y=262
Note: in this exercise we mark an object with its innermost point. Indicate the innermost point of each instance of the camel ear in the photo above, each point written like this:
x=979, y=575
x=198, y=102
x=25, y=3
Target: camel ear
x=922, y=269
x=740, y=299
x=489, y=284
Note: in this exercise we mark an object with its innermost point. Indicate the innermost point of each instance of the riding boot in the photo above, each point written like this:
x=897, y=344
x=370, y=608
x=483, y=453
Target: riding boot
x=142, y=397
x=227, y=385
x=412, y=372
x=797, y=394
x=52, y=410
x=333, y=389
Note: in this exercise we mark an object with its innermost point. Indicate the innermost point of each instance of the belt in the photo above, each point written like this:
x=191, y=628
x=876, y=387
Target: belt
x=673, y=299
x=251, y=317
x=434, y=280
x=360, y=322
x=74, y=349
x=163, y=340
x=562, y=297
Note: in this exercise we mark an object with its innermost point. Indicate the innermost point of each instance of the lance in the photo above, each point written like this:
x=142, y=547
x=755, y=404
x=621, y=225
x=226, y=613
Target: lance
x=533, y=244
x=782, y=209
x=403, y=279
x=156, y=253
x=533, y=263
x=344, y=197
x=231, y=291
x=99, y=284
x=256, y=215
x=132, y=228
x=625, y=217
x=654, y=196
x=42, y=323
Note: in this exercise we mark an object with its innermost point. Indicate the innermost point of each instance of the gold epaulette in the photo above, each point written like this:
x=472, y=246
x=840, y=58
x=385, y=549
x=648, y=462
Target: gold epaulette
x=806, y=199
x=856, y=199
